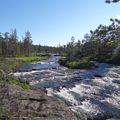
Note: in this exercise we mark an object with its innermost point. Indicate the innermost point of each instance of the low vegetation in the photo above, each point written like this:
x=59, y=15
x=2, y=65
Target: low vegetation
x=32, y=58
x=83, y=63
x=10, y=64
x=10, y=80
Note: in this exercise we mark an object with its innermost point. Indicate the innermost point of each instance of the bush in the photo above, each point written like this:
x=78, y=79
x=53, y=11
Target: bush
x=83, y=63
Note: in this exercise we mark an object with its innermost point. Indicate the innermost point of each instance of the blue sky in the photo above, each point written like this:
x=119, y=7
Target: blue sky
x=53, y=22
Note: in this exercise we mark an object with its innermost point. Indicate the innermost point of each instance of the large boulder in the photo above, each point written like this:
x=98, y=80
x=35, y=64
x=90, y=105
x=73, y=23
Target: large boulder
x=19, y=104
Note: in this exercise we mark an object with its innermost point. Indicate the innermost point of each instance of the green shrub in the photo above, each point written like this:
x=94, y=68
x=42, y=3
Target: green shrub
x=83, y=63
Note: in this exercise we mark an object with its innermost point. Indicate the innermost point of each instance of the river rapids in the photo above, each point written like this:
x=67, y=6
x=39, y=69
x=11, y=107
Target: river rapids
x=95, y=92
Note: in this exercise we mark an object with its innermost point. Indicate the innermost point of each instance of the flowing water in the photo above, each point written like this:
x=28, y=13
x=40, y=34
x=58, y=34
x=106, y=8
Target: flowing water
x=95, y=92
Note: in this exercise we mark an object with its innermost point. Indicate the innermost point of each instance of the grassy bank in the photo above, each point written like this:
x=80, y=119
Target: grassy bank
x=12, y=81
x=32, y=58
x=10, y=64
x=83, y=63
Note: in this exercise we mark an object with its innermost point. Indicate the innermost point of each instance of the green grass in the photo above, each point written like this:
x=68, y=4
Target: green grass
x=83, y=63
x=10, y=64
x=32, y=58
x=12, y=81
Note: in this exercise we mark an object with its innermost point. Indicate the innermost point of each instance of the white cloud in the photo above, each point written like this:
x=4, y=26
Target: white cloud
x=117, y=16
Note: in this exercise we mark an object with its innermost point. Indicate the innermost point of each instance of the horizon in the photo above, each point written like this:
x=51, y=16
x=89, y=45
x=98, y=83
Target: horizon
x=52, y=22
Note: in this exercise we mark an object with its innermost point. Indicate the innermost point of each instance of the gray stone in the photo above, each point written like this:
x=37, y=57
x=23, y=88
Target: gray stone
x=19, y=104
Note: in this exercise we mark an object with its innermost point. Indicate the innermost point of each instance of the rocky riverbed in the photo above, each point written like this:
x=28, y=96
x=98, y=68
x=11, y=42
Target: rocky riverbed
x=91, y=94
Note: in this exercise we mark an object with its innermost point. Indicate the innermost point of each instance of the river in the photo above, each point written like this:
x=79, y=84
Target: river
x=95, y=92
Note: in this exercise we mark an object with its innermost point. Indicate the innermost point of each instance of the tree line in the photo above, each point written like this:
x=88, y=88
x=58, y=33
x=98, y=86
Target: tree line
x=102, y=44
x=11, y=46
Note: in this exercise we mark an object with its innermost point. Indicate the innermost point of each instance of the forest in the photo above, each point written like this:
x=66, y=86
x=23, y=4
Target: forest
x=77, y=80
x=100, y=45
x=11, y=46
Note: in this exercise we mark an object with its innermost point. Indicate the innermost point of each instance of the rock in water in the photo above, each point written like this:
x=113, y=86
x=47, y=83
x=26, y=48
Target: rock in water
x=19, y=104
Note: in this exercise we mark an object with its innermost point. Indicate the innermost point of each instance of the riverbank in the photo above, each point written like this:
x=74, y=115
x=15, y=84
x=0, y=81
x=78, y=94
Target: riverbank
x=83, y=63
x=95, y=92
x=8, y=65
x=23, y=102
x=11, y=64
x=19, y=104
x=92, y=94
x=32, y=58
